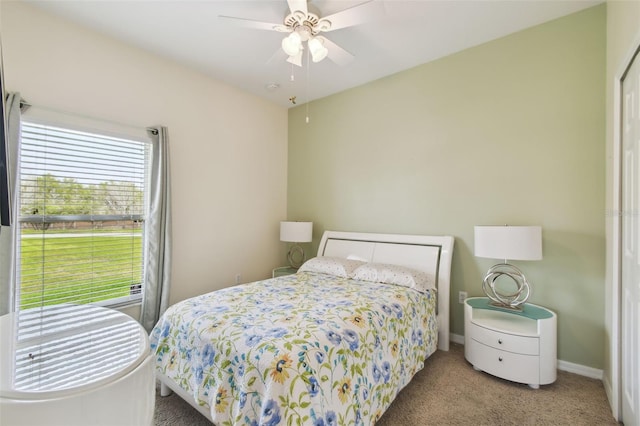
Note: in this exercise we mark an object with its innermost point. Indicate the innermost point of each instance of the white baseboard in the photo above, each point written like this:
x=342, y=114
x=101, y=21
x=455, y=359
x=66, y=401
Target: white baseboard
x=456, y=338
x=567, y=366
x=582, y=370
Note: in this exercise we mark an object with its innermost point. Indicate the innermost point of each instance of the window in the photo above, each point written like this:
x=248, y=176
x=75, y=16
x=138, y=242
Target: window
x=84, y=203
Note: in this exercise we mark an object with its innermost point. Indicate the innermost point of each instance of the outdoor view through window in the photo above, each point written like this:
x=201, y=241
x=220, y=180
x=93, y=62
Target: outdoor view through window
x=83, y=205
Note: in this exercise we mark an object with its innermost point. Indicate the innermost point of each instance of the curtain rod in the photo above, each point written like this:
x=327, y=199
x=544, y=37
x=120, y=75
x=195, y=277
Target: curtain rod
x=24, y=105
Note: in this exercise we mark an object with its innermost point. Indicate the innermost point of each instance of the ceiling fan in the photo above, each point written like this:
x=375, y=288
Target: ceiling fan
x=304, y=26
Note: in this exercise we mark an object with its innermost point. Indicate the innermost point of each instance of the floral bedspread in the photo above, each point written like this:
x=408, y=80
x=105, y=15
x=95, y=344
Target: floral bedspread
x=304, y=349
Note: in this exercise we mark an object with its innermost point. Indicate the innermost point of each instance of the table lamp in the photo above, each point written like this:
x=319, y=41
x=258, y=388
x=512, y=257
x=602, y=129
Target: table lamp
x=296, y=232
x=507, y=242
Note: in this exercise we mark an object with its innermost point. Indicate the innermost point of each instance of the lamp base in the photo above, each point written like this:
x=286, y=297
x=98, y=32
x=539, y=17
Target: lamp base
x=518, y=308
x=512, y=300
x=296, y=256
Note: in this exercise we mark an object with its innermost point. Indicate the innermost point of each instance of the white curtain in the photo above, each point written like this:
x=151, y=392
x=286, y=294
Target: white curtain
x=155, y=296
x=8, y=235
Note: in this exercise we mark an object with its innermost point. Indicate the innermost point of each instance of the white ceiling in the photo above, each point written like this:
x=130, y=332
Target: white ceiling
x=409, y=33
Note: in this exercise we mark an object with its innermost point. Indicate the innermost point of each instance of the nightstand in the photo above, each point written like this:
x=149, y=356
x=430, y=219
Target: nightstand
x=515, y=345
x=283, y=270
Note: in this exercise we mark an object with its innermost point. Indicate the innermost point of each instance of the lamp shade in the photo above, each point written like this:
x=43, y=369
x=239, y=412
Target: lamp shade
x=296, y=232
x=508, y=242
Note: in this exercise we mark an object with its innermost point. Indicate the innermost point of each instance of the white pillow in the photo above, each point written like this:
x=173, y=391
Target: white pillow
x=338, y=266
x=394, y=274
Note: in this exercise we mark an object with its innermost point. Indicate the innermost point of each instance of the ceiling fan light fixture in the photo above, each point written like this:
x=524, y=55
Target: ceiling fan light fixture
x=296, y=59
x=292, y=44
x=317, y=49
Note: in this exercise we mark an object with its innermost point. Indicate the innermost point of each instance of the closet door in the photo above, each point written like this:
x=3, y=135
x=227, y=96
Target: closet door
x=630, y=292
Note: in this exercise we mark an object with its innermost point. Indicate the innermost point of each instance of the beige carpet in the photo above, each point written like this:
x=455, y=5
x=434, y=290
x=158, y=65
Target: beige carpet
x=448, y=391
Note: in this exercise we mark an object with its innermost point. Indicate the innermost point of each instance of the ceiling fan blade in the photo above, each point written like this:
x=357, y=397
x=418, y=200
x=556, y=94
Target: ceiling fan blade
x=336, y=53
x=295, y=5
x=359, y=14
x=277, y=57
x=258, y=25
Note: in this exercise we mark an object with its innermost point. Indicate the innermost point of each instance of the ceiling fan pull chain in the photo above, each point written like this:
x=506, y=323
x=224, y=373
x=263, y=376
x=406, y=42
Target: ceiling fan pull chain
x=307, y=88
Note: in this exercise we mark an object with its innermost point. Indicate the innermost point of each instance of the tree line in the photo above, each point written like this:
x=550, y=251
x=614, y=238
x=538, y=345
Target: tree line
x=50, y=195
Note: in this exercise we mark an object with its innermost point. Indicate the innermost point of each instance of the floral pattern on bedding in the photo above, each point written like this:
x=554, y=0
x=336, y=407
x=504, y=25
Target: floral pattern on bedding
x=304, y=349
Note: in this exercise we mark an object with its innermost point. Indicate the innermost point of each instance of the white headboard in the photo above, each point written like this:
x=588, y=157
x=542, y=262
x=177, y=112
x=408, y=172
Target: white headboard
x=431, y=254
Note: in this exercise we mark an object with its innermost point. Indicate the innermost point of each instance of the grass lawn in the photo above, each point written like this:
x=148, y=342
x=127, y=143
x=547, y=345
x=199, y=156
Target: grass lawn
x=79, y=269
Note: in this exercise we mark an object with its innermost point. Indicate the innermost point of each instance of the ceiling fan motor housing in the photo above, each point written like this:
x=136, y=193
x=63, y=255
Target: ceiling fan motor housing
x=306, y=24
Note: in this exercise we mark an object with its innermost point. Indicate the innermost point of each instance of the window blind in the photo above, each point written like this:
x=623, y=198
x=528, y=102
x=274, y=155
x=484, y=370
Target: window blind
x=83, y=206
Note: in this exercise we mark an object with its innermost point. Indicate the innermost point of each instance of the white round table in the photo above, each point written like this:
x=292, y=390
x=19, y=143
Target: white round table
x=75, y=365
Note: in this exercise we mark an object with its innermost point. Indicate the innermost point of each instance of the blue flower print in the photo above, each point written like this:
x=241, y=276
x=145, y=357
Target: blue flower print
x=319, y=422
x=365, y=393
x=351, y=337
x=243, y=399
x=184, y=331
x=376, y=373
x=320, y=357
x=334, y=337
x=276, y=332
x=387, y=310
x=165, y=330
x=241, y=370
x=332, y=419
x=199, y=312
x=285, y=307
x=187, y=353
x=416, y=337
x=218, y=309
x=208, y=355
x=199, y=374
x=398, y=309
x=386, y=371
x=313, y=386
x=253, y=340
x=270, y=414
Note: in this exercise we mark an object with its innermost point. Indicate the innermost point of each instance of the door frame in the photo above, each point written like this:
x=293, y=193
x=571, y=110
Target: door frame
x=614, y=389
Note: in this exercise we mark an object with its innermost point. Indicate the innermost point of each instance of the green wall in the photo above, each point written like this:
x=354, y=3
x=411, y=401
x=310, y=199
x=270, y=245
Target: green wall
x=509, y=132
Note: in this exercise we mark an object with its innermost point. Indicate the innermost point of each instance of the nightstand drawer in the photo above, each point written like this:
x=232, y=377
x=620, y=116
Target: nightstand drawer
x=505, y=341
x=508, y=365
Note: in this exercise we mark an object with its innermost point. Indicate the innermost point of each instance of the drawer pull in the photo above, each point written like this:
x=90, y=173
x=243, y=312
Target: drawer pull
x=500, y=358
x=499, y=341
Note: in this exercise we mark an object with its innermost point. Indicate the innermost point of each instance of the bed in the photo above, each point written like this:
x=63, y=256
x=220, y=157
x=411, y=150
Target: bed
x=332, y=344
